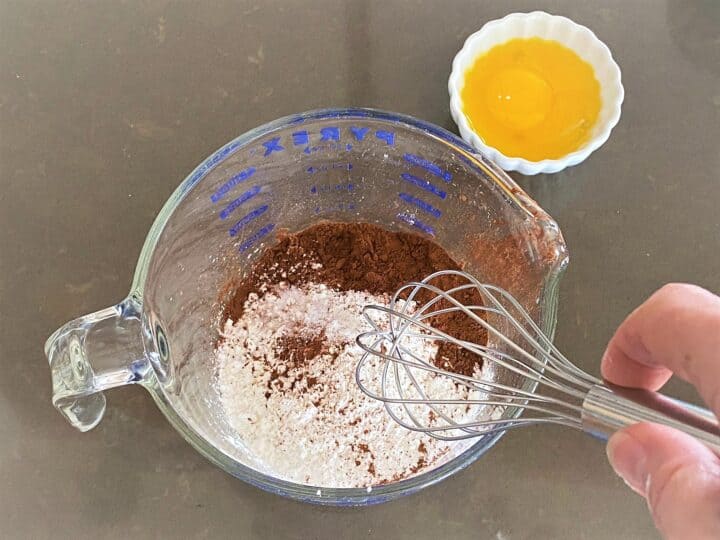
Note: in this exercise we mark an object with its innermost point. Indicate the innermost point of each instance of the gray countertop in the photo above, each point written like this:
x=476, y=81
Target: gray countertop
x=106, y=106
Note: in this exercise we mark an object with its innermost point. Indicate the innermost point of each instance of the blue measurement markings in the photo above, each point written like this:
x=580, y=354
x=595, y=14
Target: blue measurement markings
x=210, y=163
x=340, y=207
x=423, y=184
x=387, y=136
x=434, y=169
x=273, y=145
x=330, y=134
x=330, y=138
x=234, y=181
x=300, y=138
x=262, y=232
x=329, y=166
x=235, y=229
x=422, y=205
x=235, y=203
x=428, y=166
x=349, y=187
x=415, y=222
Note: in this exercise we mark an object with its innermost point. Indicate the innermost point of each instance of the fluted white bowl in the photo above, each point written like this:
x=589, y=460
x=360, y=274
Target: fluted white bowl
x=552, y=27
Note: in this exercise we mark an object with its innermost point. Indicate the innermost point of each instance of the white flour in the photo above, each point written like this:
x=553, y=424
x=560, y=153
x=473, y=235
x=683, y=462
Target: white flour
x=305, y=418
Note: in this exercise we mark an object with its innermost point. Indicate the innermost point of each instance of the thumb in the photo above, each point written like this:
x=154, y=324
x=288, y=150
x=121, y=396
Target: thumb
x=679, y=477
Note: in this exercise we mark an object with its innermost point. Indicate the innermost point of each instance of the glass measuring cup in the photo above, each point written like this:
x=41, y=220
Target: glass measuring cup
x=345, y=165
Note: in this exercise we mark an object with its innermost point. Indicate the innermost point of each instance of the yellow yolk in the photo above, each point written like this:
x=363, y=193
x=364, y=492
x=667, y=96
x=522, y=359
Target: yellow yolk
x=532, y=98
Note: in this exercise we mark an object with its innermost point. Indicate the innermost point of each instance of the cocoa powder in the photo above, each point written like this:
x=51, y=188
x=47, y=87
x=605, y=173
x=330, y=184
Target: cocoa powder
x=362, y=257
x=296, y=351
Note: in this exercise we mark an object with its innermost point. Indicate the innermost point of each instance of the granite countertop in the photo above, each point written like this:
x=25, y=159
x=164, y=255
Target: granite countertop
x=106, y=106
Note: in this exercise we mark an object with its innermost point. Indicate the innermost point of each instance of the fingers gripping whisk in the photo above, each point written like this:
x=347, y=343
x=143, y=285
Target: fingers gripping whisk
x=519, y=377
x=518, y=359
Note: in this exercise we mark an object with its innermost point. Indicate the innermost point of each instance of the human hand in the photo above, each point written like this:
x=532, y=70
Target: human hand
x=677, y=330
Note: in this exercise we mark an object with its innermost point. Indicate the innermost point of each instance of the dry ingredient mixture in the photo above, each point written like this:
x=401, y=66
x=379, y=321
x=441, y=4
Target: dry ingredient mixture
x=287, y=356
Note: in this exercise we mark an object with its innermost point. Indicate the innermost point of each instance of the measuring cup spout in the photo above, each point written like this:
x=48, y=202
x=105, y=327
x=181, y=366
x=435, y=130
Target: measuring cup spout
x=91, y=354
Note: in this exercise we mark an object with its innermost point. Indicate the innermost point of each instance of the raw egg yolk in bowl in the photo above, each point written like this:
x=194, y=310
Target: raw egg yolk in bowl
x=531, y=98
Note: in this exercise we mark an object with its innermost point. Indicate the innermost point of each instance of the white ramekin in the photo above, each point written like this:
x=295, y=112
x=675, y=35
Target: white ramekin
x=543, y=25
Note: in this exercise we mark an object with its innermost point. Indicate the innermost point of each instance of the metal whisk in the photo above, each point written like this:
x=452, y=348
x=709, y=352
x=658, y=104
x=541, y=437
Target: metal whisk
x=532, y=382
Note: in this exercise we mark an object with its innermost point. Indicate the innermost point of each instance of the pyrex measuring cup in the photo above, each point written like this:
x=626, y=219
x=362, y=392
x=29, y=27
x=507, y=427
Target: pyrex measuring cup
x=346, y=165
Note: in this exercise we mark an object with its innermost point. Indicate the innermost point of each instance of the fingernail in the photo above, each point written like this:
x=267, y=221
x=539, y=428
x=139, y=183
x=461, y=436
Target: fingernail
x=606, y=362
x=627, y=456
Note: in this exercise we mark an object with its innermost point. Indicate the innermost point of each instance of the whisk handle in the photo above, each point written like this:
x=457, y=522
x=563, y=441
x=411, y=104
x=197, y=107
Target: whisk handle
x=606, y=409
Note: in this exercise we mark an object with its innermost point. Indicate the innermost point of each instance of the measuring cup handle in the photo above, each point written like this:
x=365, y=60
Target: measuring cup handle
x=91, y=354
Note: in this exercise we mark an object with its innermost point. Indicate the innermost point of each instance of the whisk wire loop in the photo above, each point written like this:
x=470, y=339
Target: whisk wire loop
x=532, y=359
x=525, y=380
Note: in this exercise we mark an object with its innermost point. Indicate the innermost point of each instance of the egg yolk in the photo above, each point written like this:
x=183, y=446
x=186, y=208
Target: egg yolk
x=532, y=98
